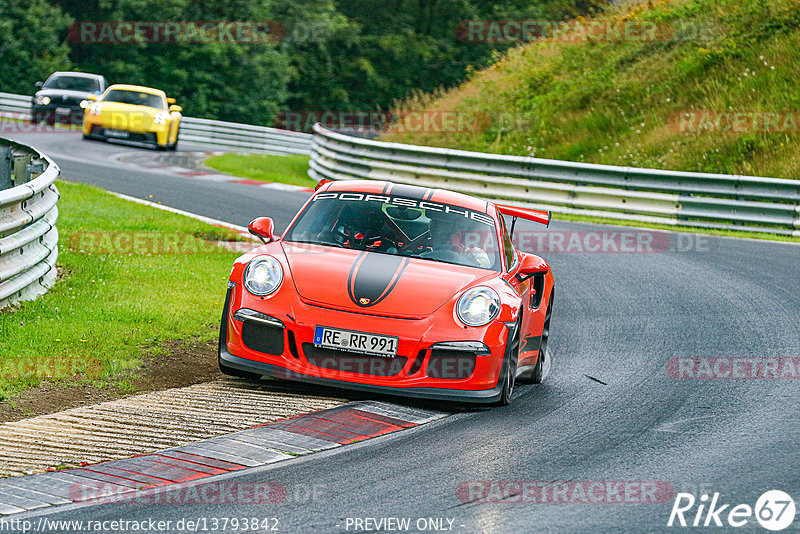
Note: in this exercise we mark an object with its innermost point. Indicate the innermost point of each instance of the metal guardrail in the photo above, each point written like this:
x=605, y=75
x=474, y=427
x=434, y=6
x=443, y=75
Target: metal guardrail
x=28, y=214
x=702, y=200
x=18, y=106
x=244, y=136
x=223, y=134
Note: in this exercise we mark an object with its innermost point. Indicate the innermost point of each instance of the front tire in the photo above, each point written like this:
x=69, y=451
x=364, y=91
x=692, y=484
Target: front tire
x=174, y=146
x=224, y=369
x=509, y=377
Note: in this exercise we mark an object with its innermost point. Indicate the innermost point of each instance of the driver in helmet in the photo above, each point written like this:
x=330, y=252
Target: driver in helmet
x=448, y=244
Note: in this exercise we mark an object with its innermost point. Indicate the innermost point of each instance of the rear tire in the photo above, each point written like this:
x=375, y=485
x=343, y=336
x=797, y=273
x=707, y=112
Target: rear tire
x=536, y=375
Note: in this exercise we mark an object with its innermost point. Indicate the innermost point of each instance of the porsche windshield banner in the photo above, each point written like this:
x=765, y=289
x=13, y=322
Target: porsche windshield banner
x=405, y=202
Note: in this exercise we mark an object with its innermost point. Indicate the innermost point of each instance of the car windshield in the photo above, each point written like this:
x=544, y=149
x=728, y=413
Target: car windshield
x=399, y=226
x=137, y=98
x=73, y=83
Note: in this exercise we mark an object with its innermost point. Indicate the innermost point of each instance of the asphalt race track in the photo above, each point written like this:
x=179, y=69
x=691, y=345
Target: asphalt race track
x=608, y=411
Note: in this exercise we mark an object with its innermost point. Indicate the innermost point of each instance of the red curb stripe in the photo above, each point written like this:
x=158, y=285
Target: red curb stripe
x=202, y=460
x=183, y=465
x=137, y=477
x=384, y=419
x=248, y=182
x=192, y=466
x=93, y=477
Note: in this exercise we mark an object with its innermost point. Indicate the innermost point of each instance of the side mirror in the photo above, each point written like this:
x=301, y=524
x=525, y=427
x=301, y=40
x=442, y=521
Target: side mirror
x=170, y=100
x=39, y=85
x=176, y=109
x=531, y=265
x=93, y=98
x=262, y=228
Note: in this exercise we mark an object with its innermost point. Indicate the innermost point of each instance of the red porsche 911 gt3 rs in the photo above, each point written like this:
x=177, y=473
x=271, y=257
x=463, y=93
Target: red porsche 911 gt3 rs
x=391, y=288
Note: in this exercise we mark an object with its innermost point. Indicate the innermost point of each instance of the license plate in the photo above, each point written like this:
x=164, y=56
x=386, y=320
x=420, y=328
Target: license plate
x=360, y=342
x=122, y=134
x=63, y=111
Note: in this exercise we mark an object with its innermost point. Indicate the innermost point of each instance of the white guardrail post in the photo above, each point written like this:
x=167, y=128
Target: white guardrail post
x=649, y=195
x=28, y=214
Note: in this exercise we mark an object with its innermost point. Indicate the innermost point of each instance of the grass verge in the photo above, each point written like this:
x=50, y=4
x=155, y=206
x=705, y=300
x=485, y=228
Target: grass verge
x=133, y=280
x=266, y=167
x=624, y=101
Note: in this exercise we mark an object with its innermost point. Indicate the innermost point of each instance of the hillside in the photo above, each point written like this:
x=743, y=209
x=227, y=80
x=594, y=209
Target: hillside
x=629, y=101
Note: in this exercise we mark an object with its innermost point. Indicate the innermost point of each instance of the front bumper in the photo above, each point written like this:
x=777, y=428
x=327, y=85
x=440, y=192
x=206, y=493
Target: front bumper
x=53, y=113
x=95, y=126
x=98, y=132
x=418, y=370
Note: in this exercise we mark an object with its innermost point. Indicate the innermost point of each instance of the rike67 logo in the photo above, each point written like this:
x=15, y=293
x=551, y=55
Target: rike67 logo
x=774, y=510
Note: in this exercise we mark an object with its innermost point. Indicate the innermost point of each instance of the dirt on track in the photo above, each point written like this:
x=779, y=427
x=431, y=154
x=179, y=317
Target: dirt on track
x=183, y=364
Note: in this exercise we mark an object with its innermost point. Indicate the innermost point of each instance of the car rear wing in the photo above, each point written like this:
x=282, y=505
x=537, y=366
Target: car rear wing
x=539, y=216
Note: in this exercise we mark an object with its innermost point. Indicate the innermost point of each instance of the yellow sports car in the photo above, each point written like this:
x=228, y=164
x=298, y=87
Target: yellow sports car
x=133, y=113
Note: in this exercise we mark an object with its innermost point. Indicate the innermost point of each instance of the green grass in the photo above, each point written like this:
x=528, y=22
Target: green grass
x=612, y=102
x=268, y=168
x=114, y=303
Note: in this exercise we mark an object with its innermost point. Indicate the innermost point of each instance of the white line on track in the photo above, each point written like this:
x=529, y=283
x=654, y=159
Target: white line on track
x=216, y=222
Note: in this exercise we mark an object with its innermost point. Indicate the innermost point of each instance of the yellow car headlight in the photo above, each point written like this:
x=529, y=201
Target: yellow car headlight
x=160, y=118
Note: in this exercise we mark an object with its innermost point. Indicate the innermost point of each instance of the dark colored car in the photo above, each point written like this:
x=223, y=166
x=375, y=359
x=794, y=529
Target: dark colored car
x=63, y=96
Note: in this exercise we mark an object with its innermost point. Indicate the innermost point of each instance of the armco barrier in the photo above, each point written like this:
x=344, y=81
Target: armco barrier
x=656, y=196
x=235, y=136
x=227, y=135
x=28, y=214
x=18, y=106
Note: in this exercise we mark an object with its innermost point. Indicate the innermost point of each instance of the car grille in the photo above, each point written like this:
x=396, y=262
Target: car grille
x=352, y=362
x=132, y=136
x=65, y=101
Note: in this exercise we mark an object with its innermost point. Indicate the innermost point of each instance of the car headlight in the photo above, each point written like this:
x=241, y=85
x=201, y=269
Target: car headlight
x=42, y=100
x=263, y=275
x=95, y=109
x=160, y=118
x=478, y=306
x=84, y=103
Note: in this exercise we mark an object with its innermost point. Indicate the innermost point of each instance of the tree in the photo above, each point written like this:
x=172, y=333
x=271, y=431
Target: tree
x=31, y=43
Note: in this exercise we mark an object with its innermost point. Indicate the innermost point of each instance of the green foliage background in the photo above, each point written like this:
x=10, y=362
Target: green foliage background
x=343, y=55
